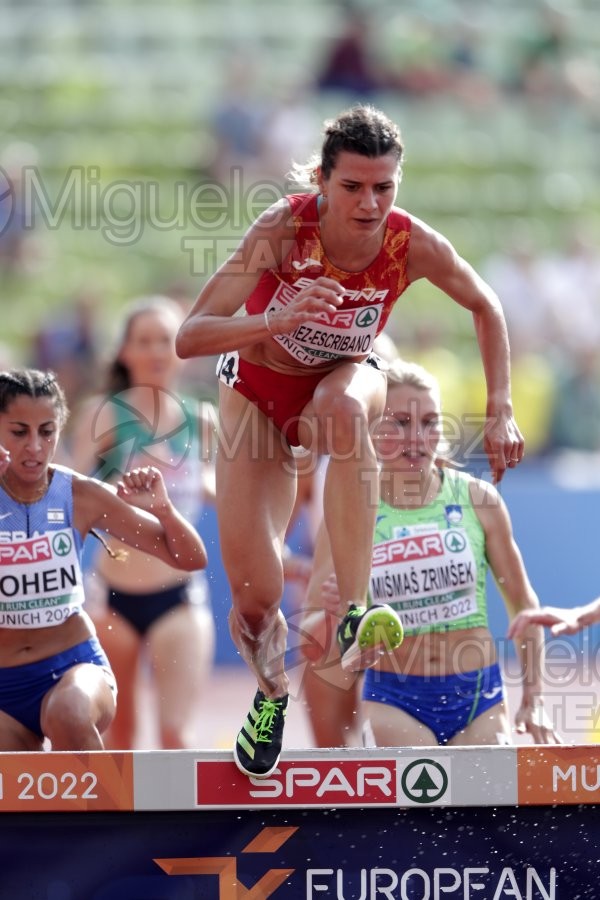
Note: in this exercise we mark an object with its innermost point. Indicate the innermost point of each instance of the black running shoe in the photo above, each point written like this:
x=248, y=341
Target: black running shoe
x=258, y=745
x=365, y=633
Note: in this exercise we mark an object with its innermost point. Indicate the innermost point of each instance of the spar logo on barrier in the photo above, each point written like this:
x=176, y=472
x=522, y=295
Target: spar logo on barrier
x=425, y=781
x=269, y=840
x=302, y=783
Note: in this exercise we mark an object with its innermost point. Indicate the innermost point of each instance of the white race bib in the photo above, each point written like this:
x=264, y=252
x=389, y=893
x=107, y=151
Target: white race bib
x=40, y=580
x=335, y=335
x=429, y=577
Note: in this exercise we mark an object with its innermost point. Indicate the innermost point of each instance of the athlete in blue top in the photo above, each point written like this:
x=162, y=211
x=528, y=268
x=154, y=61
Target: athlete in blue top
x=55, y=680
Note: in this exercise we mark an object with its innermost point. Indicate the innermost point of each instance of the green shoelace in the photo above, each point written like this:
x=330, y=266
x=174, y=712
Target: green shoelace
x=266, y=720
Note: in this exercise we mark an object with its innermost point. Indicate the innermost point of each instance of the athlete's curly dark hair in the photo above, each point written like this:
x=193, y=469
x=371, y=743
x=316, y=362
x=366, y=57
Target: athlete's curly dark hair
x=32, y=383
x=35, y=383
x=362, y=129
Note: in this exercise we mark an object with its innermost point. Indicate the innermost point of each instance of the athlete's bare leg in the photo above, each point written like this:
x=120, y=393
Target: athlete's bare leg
x=491, y=727
x=256, y=489
x=392, y=727
x=77, y=712
x=181, y=650
x=15, y=738
x=344, y=406
x=123, y=646
x=331, y=699
x=330, y=694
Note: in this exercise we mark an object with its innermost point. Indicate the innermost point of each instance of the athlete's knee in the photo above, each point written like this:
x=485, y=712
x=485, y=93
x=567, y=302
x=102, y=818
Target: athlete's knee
x=345, y=425
x=66, y=719
x=254, y=592
x=343, y=409
x=67, y=700
x=253, y=621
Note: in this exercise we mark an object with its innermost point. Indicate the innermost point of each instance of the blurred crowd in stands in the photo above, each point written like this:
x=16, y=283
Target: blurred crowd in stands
x=551, y=297
x=415, y=57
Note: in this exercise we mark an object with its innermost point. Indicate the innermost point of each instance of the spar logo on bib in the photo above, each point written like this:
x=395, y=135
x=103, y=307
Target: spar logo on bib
x=61, y=544
x=366, y=318
x=413, y=547
x=455, y=541
x=32, y=550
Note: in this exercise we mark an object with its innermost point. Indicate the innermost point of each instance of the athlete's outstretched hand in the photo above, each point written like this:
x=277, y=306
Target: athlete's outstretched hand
x=533, y=720
x=560, y=621
x=321, y=296
x=144, y=488
x=503, y=444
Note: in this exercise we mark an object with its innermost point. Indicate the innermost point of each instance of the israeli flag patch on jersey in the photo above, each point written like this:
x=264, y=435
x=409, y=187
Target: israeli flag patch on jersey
x=56, y=515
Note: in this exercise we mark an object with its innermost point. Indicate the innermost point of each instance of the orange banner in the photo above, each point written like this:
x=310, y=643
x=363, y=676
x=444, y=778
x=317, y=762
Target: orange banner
x=61, y=782
x=549, y=775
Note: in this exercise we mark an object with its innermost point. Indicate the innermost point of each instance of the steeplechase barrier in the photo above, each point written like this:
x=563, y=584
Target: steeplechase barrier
x=472, y=823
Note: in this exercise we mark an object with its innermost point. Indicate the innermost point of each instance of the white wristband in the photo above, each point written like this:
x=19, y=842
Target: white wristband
x=266, y=315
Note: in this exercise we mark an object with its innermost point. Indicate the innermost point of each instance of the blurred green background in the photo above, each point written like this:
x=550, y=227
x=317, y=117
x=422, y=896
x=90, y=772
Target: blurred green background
x=111, y=110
